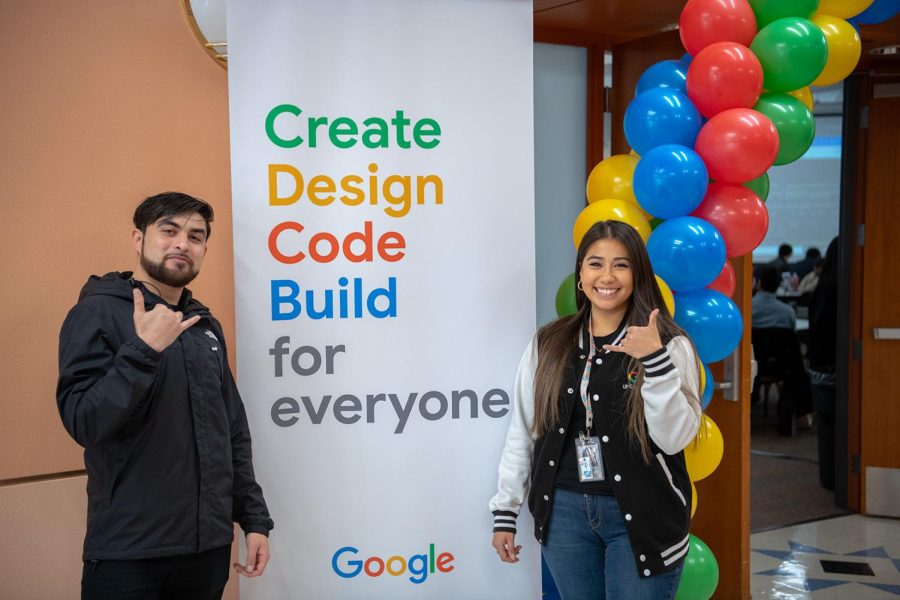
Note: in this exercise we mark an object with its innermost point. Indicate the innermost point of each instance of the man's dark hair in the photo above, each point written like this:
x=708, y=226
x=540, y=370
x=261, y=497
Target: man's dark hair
x=769, y=279
x=785, y=250
x=813, y=253
x=170, y=204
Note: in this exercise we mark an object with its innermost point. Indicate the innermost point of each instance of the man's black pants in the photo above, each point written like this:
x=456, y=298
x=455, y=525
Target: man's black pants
x=199, y=576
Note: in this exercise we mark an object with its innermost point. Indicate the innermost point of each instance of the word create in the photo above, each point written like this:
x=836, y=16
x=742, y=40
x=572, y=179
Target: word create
x=344, y=132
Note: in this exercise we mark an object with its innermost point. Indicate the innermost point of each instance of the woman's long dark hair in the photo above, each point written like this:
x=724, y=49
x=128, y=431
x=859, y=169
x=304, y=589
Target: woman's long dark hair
x=557, y=339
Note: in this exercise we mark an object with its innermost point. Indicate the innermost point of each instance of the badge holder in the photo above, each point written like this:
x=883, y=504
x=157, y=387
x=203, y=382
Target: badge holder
x=590, y=462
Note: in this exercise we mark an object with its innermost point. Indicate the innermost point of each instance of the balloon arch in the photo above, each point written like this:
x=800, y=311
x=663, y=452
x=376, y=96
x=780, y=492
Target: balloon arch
x=704, y=129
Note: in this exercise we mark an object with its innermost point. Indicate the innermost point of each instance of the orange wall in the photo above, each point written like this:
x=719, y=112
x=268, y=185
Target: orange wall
x=103, y=103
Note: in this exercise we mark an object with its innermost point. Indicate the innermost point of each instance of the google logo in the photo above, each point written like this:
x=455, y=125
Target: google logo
x=418, y=565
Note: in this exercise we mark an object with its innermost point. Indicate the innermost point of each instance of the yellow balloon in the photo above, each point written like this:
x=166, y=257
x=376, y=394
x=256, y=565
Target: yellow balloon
x=804, y=95
x=702, y=380
x=844, y=49
x=704, y=454
x=842, y=8
x=611, y=178
x=633, y=153
x=693, y=499
x=668, y=296
x=606, y=210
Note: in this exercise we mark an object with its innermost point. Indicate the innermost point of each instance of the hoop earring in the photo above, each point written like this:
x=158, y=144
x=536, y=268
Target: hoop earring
x=578, y=285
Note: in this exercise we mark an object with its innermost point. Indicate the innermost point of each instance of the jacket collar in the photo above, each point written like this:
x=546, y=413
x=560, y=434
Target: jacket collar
x=585, y=340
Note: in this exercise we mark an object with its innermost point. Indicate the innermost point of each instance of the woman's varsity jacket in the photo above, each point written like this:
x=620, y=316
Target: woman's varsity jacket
x=654, y=498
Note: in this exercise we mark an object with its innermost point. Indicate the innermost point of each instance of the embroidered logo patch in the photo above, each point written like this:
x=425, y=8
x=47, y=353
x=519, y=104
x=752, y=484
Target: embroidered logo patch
x=211, y=334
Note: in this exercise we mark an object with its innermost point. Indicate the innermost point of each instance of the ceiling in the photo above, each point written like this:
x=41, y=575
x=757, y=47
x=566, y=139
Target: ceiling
x=614, y=21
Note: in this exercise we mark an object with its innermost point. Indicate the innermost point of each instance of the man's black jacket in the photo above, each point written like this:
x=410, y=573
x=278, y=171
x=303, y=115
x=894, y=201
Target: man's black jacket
x=165, y=436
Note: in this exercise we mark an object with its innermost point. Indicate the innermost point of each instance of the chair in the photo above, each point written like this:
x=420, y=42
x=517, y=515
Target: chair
x=780, y=363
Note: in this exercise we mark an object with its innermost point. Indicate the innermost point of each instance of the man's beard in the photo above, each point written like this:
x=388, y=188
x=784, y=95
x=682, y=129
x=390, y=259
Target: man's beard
x=167, y=276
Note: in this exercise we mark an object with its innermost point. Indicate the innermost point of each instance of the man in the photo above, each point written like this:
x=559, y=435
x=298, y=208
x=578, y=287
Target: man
x=781, y=261
x=144, y=386
x=778, y=351
x=768, y=311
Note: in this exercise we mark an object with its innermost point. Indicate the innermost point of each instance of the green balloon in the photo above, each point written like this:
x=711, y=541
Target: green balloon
x=767, y=11
x=565, y=297
x=792, y=52
x=700, y=574
x=795, y=124
x=760, y=185
x=655, y=222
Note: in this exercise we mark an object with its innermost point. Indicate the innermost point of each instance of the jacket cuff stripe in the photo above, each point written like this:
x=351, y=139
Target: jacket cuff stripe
x=655, y=357
x=504, y=520
x=660, y=370
x=657, y=363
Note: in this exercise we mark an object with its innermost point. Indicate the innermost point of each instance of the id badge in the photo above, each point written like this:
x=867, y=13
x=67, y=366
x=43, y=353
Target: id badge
x=590, y=462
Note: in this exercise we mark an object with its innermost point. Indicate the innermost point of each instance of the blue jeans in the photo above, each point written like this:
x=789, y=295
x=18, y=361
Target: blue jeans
x=586, y=540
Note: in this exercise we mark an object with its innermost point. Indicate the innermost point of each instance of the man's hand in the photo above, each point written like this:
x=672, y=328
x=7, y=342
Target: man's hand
x=161, y=326
x=640, y=341
x=504, y=543
x=257, y=556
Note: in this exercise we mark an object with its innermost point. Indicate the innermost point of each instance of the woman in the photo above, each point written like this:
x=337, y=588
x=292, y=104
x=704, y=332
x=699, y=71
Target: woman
x=618, y=379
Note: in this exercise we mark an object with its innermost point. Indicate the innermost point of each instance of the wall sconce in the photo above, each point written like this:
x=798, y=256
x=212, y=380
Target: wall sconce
x=206, y=18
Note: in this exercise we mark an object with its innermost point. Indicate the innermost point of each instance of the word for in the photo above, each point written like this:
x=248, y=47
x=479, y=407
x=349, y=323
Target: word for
x=324, y=247
x=280, y=350
x=348, y=409
x=344, y=132
x=287, y=185
x=418, y=565
x=355, y=303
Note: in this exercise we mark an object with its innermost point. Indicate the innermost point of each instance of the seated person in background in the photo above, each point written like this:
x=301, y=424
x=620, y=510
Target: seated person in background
x=808, y=283
x=781, y=262
x=804, y=267
x=768, y=310
x=770, y=313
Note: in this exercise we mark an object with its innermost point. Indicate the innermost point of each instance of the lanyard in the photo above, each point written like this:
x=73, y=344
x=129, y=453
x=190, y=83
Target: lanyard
x=586, y=377
x=588, y=411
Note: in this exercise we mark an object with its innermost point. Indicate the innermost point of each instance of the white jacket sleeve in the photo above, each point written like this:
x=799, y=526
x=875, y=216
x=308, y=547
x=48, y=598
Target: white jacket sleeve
x=515, y=461
x=671, y=393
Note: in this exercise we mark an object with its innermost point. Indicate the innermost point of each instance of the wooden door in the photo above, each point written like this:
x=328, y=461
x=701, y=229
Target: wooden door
x=879, y=406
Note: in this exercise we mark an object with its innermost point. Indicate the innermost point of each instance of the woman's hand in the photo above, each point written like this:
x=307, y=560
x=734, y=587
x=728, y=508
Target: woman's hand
x=505, y=545
x=640, y=341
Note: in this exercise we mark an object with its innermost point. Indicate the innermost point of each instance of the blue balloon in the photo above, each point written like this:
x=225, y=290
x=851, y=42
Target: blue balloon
x=706, y=398
x=670, y=181
x=878, y=12
x=687, y=252
x=712, y=320
x=661, y=116
x=686, y=58
x=666, y=73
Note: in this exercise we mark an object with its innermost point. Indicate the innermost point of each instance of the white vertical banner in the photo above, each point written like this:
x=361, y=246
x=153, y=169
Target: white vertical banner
x=382, y=165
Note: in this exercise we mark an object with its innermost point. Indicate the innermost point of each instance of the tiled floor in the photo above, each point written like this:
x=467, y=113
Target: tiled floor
x=811, y=560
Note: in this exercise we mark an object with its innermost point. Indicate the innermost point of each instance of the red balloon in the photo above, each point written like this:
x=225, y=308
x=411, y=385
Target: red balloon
x=724, y=75
x=739, y=215
x=705, y=22
x=737, y=145
x=725, y=282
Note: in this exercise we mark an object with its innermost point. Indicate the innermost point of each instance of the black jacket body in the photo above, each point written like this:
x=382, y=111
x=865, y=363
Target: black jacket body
x=165, y=435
